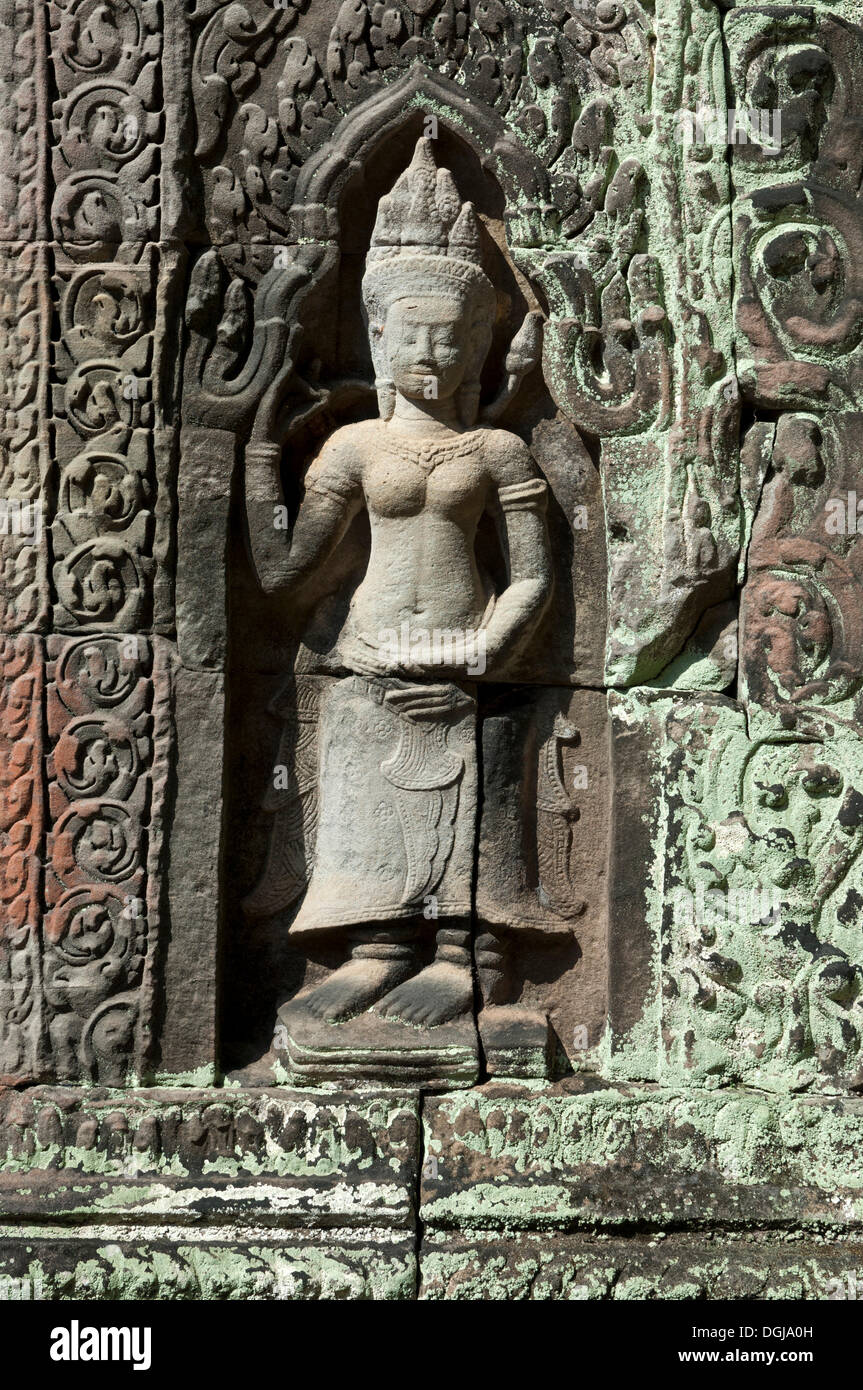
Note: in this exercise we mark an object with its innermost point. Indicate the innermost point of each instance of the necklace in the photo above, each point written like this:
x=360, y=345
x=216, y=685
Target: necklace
x=428, y=454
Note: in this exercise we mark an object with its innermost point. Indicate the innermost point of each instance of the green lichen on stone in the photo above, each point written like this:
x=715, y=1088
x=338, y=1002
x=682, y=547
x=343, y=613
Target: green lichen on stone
x=620, y=1156
x=483, y=1266
x=139, y=1269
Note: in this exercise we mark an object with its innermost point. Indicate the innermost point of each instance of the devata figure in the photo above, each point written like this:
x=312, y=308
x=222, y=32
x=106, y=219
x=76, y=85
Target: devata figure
x=387, y=790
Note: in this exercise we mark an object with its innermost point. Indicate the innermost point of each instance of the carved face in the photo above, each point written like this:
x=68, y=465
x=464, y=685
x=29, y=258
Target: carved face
x=426, y=341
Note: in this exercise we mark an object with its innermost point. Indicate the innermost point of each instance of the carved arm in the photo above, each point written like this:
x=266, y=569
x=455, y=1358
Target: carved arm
x=526, y=597
x=284, y=557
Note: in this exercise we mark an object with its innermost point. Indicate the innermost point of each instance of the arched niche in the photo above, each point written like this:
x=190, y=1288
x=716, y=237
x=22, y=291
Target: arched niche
x=337, y=197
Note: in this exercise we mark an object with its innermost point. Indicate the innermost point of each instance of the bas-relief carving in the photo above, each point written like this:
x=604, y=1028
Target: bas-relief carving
x=106, y=123
x=23, y=815
x=83, y=393
x=617, y=243
x=541, y=925
x=396, y=757
x=607, y=360
x=107, y=770
x=230, y=349
x=755, y=971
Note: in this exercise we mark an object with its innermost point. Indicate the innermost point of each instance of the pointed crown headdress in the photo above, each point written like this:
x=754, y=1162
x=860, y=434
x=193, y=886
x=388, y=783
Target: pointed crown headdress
x=426, y=241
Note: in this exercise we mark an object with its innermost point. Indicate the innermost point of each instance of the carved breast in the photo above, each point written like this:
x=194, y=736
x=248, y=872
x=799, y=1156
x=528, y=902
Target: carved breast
x=447, y=479
x=395, y=487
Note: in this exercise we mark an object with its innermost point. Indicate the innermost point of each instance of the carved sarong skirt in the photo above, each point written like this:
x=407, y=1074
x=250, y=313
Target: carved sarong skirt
x=397, y=799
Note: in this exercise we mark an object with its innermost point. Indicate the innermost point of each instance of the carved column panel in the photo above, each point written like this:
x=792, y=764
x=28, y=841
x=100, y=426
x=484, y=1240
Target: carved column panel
x=21, y=1033
x=24, y=469
x=86, y=536
x=755, y=971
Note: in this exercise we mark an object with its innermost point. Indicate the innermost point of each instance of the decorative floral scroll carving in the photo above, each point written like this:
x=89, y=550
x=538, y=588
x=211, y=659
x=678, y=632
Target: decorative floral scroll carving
x=799, y=215
x=21, y=181
x=107, y=735
x=763, y=973
x=22, y=821
x=517, y=60
x=24, y=316
x=104, y=527
x=802, y=606
x=107, y=123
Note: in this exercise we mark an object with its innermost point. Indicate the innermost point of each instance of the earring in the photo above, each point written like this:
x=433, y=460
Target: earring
x=468, y=403
x=386, y=389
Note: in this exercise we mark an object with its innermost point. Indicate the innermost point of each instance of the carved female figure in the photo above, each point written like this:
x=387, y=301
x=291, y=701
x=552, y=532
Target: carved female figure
x=395, y=766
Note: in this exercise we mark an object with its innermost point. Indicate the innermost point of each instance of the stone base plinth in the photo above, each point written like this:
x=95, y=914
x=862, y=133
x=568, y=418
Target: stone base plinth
x=377, y=1048
x=577, y=1190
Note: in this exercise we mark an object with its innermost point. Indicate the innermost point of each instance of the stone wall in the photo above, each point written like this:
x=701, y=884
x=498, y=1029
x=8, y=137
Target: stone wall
x=432, y=648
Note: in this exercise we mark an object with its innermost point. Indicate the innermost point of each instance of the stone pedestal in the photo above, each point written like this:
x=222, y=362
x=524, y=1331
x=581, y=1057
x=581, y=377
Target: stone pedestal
x=526, y=1191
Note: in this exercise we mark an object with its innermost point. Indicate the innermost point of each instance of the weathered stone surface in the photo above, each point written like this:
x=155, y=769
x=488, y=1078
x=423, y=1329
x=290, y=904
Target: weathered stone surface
x=542, y=880
x=187, y=1037
x=749, y=960
x=22, y=1046
x=280, y=1159
x=485, y=1266
x=634, y=1000
x=431, y=595
x=581, y=1191
x=203, y=530
x=583, y=1156
x=797, y=298
x=168, y=1265
x=198, y=1194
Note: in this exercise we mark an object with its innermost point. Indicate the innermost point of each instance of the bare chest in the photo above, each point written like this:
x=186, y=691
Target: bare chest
x=447, y=481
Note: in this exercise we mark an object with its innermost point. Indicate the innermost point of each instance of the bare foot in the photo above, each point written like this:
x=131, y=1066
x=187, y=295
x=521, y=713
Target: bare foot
x=354, y=987
x=437, y=994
